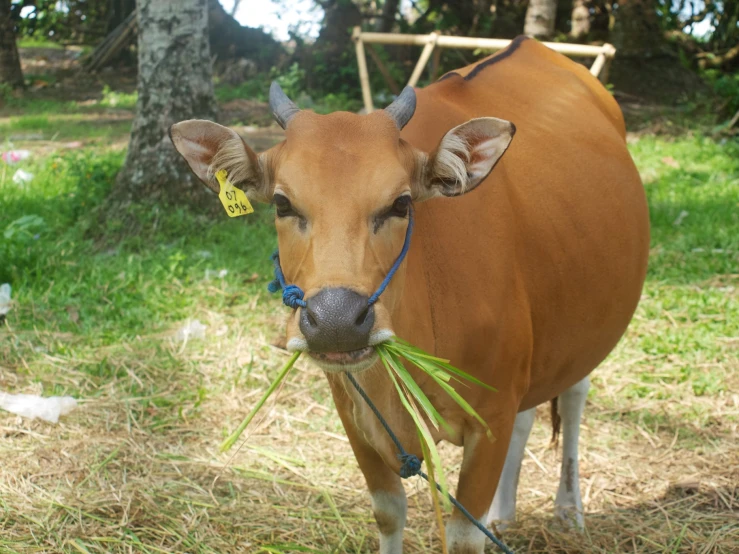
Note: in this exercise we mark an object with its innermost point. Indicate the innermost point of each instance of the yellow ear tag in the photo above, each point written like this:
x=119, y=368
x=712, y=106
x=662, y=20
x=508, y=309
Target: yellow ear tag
x=233, y=199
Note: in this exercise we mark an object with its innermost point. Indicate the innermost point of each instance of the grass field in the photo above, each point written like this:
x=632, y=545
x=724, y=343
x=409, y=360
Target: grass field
x=136, y=468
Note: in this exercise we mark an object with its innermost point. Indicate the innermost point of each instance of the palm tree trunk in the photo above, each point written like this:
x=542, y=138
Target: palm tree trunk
x=580, y=19
x=540, y=18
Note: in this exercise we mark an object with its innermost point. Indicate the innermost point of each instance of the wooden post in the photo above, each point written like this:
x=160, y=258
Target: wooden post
x=610, y=52
x=435, y=62
x=423, y=60
x=598, y=64
x=363, y=74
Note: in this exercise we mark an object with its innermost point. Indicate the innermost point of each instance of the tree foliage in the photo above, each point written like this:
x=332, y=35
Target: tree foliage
x=70, y=21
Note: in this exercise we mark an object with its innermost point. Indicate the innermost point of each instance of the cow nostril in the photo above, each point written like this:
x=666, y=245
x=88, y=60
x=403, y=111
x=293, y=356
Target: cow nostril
x=311, y=320
x=362, y=317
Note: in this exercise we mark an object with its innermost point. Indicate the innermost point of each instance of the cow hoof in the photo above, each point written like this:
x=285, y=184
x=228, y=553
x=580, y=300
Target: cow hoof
x=500, y=525
x=570, y=517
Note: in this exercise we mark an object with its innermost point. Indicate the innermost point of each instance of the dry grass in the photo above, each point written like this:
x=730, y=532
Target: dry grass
x=143, y=473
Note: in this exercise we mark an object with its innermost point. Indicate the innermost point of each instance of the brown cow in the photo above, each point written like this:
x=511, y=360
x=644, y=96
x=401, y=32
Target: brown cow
x=527, y=282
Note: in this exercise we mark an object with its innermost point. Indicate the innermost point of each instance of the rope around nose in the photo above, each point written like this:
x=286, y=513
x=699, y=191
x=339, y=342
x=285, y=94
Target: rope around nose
x=412, y=466
x=294, y=297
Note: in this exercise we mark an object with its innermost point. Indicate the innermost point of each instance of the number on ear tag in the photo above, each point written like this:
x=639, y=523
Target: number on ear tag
x=234, y=200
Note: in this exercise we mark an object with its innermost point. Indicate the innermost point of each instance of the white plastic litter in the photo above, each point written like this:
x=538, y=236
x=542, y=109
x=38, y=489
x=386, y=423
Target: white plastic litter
x=191, y=330
x=15, y=156
x=681, y=216
x=21, y=177
x=221, y=273
x=34, y=406
x=4, y=299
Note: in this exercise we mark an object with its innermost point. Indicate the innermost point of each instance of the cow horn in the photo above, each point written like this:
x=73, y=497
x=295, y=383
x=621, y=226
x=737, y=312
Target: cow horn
x=283, y=109
x=403, y=107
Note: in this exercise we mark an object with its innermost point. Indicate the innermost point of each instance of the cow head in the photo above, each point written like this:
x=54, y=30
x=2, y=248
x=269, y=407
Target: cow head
x=342, y=185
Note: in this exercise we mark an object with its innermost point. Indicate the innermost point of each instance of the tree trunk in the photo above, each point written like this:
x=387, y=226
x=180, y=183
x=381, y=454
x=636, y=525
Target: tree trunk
x=636, y=30
x=10, y=62
x=540, y=18
x=175, y=83
x=580, y=19
x=386, y=20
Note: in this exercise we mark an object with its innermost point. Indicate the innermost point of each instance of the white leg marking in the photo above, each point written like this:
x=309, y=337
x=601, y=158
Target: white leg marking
x=464, y=538
x=568, y=504
x=390, y=511
x=503, y=508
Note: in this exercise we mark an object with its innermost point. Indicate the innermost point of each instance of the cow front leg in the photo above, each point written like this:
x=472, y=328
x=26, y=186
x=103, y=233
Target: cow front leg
x=568, y=503
x=389, y=503
x=503, y=510
x=385, y=487
x=481, y=469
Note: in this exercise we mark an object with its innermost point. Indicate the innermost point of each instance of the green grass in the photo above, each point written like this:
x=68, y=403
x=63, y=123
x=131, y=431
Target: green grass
x=32, y=118
x=122, y=284
x=95, y=310
x=64, y=128
x=35, y=42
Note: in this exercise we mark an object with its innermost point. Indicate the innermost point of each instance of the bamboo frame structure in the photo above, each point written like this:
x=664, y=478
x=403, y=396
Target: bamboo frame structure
x=431, y=42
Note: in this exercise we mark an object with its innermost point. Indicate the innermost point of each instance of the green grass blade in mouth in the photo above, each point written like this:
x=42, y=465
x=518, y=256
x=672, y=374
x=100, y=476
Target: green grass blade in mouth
x=397, y=365
x=417, y=356
x=425, y=435
x=464, y=405
x=231, y=440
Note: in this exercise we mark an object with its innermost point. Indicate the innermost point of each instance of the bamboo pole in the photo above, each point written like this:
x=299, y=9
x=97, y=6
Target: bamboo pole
x=363, y=74
x=435, y=63
x=423, y=60
x=598, y=64
x=472, y=43
x=610, y=52
x=602, y=54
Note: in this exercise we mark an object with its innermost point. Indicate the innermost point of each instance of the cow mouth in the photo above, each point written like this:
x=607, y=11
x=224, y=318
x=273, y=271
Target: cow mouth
x=351, y=360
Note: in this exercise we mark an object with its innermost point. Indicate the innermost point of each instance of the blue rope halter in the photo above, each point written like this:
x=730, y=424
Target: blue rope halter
x=293, y=296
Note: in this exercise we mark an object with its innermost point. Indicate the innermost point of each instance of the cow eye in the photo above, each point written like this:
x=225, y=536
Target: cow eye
x=283, y=206
x=400, y=206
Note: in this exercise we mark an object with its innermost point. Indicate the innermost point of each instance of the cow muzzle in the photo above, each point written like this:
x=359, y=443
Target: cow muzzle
x=337, y=320
x=336, y=324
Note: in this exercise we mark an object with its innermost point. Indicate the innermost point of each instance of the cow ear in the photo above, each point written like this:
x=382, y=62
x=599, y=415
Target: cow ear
x=465, y=157
x=208, y=148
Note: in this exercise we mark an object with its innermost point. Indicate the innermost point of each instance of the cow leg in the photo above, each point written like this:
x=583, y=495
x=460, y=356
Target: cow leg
x=503, y=510
x=387, y=492
x=385, y=486
x=568, y=504
x=481, y=468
